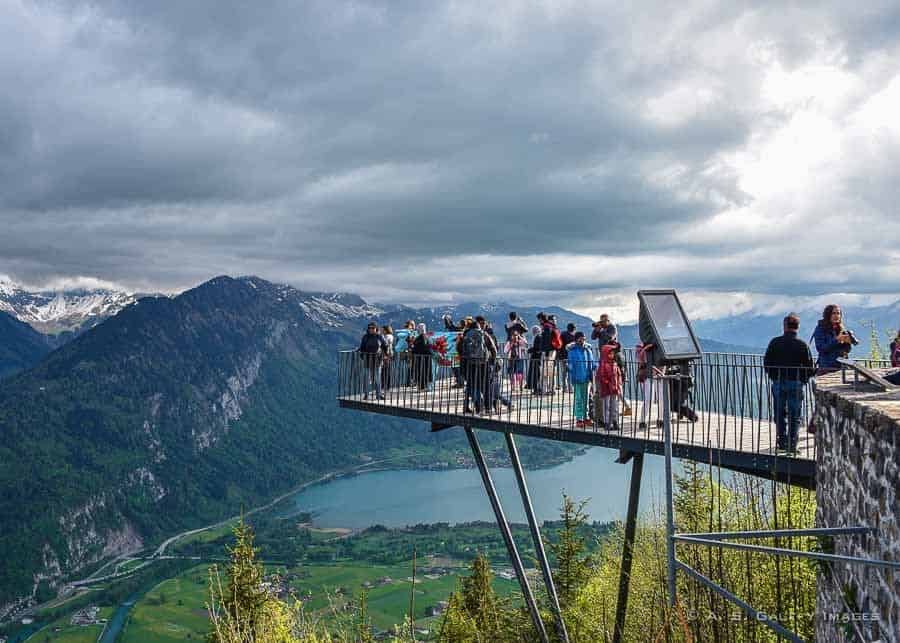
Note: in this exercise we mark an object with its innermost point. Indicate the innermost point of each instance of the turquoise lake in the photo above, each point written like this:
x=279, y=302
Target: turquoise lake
x=398, y=498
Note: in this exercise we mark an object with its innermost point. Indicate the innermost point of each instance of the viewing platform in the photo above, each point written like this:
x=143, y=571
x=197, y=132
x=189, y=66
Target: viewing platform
x=716, y=409
x=730, y=394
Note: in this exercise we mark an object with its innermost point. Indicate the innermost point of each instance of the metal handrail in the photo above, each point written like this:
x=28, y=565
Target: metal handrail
x=731, y=394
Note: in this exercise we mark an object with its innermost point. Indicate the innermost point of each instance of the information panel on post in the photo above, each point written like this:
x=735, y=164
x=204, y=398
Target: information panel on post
x=671, y=326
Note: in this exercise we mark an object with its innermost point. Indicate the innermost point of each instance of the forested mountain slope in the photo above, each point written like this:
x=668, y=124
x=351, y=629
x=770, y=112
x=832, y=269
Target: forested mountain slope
x=20, y=345
x=173, y=412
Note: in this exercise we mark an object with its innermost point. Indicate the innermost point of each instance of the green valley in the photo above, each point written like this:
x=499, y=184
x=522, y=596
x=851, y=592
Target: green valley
x=378, y=561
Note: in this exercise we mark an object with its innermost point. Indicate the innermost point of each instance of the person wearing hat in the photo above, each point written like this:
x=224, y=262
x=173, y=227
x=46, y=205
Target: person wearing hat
x=372, y=350
x=580, y=373
x=609, y=385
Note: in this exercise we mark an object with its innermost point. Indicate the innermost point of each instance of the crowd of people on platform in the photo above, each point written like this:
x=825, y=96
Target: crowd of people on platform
x=545, y=359
x=541, y=360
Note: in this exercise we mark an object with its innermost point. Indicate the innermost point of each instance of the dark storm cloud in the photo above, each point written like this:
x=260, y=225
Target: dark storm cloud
x=333, y=143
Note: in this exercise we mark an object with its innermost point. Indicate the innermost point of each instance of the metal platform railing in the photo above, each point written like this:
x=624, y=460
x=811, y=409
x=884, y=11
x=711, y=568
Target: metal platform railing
x=728, y=403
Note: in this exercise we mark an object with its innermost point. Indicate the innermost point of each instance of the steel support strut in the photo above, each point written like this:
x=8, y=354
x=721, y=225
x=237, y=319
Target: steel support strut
x=507, y=534
x=670, y=502
x=634, y=494
x=536, y=536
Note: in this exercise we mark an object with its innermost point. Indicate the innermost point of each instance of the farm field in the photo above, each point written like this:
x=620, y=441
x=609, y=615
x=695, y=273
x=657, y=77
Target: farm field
x=388, y=600
x=174, y=610
x=62, y=631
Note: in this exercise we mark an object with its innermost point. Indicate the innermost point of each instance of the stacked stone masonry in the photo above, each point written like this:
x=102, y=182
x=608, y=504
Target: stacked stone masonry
x=857, y=480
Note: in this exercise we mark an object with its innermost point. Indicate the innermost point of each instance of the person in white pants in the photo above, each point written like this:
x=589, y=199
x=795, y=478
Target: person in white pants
x=651, y=387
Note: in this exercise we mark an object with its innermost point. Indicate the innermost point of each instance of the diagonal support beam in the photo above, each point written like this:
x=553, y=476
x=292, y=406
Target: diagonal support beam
x=759, y=617
x=507, y=535
x=634, y=496
x=536, y=536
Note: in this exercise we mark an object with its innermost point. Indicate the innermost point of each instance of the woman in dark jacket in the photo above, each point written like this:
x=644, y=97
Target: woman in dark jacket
x=832, y=340
x=421, y=359
x=895, y=350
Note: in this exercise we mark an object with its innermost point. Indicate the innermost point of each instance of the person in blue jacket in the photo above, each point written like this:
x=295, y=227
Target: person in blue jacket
x=832, y=340
x=581, y=373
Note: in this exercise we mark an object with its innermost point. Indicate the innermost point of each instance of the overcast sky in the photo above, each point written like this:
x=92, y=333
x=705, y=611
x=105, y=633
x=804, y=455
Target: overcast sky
x=535, y=152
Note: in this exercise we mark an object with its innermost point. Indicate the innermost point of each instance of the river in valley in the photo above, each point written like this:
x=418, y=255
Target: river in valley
x=398, y=498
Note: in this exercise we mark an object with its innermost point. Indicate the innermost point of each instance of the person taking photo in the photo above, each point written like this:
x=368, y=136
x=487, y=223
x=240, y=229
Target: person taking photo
x=833, y=341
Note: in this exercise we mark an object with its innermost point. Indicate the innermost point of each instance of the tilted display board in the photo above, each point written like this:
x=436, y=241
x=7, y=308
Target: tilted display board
x=671, y=326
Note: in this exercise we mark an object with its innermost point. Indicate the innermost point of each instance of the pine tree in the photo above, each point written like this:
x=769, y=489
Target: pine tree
x=246, y=596
x=876, y=353
x=478, y=596
x=475, y=613
x=244, y=600
x=572, y=561
x=456, y=625
x=363, y=624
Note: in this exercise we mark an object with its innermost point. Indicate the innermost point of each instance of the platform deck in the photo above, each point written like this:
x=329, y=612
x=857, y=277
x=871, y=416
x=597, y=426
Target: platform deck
x=738, y=442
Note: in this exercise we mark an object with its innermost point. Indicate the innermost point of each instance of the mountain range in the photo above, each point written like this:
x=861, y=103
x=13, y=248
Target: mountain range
x=60, y=316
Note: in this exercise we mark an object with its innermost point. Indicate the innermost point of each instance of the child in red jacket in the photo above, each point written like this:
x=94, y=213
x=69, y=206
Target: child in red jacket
x=609, y=384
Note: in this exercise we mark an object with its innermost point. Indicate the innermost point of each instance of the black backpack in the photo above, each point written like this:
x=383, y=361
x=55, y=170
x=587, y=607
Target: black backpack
x=472, y=345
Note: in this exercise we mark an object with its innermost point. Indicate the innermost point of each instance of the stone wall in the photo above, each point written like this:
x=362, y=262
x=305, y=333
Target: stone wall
x=858, y=484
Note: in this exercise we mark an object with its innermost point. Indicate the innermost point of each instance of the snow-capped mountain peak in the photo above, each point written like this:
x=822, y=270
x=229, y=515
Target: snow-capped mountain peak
x=327, y=310
x=51, y=311
x=6, y=287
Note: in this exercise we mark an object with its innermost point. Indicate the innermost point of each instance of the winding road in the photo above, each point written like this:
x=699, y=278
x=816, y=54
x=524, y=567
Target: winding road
x=160, y=552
